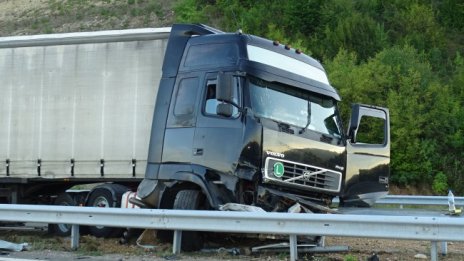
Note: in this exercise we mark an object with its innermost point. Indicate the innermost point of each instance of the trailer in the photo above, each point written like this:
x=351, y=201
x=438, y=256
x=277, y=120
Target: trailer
x=76, y=109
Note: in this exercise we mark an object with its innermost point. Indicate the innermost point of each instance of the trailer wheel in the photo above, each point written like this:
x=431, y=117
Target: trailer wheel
x=63, y=199
x=190, y=199
x=103, y=198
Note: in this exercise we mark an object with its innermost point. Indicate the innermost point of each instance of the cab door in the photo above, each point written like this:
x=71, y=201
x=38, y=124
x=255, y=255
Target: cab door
x=218, y=133
x=368, y=156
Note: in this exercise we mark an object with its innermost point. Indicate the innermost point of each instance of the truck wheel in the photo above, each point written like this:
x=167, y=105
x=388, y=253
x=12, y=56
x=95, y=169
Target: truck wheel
x=103, y=198
x=190, y=199
x=63, y=199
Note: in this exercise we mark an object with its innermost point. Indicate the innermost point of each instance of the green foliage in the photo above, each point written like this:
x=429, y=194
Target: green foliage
x=415, y=24
x=440, y=184
x=358, y=33
x=451, y=14
x=188, y=12
x=404, y=55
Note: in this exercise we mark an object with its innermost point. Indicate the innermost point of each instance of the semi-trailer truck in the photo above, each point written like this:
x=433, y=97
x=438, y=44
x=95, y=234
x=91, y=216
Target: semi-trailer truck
x=188, y=117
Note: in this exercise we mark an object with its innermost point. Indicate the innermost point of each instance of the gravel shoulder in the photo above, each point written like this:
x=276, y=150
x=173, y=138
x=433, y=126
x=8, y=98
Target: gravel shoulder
x=388, y=249
x=95, y=249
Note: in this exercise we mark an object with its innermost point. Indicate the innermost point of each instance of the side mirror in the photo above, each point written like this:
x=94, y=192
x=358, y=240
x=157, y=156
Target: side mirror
x=224, y=88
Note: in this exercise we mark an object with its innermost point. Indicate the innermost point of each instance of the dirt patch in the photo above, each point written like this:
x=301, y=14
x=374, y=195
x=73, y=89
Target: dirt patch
x=15, y=15
x=26, y=17
x=363, y=248
x=14, y=9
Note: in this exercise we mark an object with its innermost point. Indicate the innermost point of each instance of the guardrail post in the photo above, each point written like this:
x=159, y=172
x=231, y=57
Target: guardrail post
x=444, y=248
x=177, y=241
x=293, y=248
x=433, y=251
x=74, y=237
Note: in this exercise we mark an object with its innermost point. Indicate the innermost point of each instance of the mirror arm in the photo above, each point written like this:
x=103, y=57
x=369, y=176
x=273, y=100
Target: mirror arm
x=240, y=109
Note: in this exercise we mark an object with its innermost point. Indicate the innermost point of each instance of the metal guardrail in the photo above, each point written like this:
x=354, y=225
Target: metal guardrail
x=402, y=200
x=418, y=200
x=440, y=228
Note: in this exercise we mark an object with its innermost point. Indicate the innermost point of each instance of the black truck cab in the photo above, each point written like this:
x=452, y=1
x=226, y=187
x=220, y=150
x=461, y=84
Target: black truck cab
x=242, y=119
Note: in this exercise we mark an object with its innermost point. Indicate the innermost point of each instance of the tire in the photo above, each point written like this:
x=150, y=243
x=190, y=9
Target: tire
x=63, y=199
x=102, y=197
x=190, y=199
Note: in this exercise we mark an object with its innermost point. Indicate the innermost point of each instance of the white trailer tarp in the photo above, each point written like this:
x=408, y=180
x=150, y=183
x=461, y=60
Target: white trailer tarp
x=87, y=100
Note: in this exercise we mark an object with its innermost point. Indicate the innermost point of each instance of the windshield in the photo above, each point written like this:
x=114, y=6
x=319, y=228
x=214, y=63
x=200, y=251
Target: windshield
x=293, y=106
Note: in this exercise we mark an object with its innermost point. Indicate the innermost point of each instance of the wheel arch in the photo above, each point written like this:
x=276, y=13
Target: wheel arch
x=188, y=180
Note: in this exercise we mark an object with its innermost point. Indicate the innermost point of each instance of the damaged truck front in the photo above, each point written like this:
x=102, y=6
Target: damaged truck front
x=243, y=119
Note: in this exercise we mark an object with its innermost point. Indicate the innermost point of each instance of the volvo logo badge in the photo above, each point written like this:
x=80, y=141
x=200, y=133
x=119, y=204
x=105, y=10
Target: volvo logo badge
x=275, y=154
x=306, y=175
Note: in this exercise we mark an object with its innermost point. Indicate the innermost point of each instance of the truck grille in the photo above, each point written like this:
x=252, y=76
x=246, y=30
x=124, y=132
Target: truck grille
x=301, y=175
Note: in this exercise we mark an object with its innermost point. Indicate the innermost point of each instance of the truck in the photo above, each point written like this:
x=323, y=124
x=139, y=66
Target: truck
x=187, y=117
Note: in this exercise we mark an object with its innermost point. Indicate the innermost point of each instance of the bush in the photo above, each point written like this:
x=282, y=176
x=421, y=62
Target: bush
x=440, y=184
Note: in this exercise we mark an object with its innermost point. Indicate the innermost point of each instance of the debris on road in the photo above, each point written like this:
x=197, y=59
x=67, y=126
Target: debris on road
x=302, y=248
x=5, y=245
x=240, y=207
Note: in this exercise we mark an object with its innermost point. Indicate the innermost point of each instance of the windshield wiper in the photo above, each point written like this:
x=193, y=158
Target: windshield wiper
x=308, y=119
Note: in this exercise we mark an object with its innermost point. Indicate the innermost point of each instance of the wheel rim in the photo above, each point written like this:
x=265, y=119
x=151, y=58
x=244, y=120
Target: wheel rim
x=101, y=202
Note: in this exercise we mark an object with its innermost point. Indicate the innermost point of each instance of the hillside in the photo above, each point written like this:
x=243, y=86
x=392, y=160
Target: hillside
x=25, y=17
